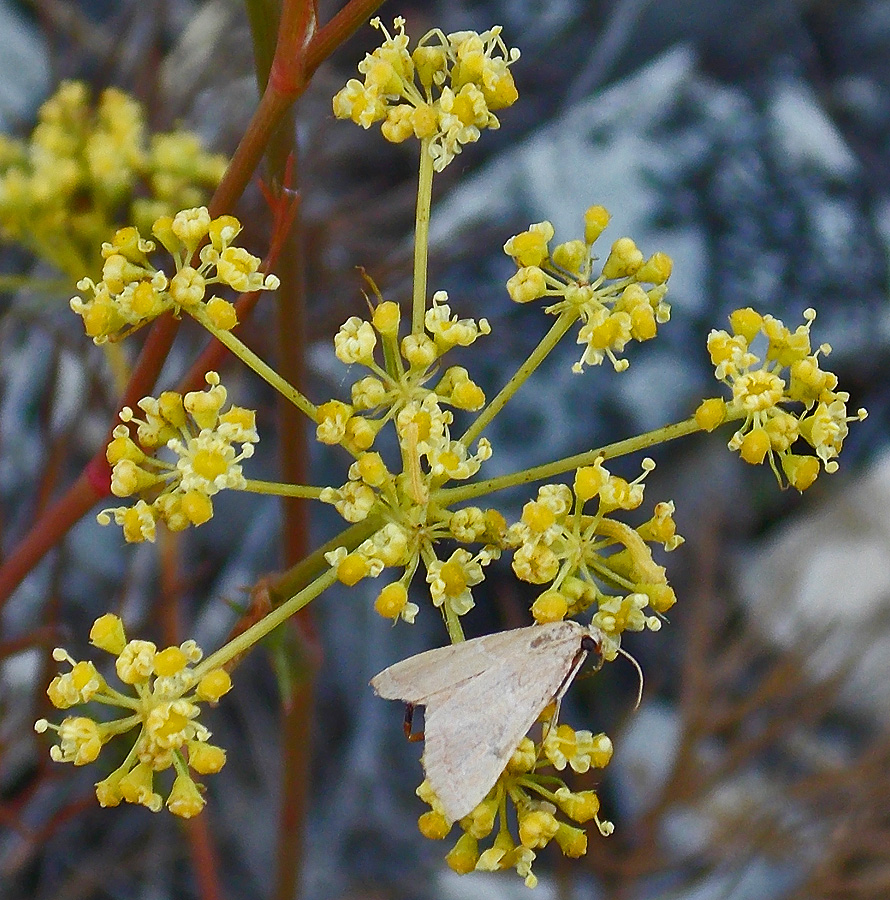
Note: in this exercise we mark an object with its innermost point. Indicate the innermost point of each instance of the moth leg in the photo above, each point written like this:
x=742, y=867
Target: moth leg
x=412, y=736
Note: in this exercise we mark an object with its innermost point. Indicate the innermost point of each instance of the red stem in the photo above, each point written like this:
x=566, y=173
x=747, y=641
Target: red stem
x=295, y=61
x=204, y=857
x=293, y=65
x=93, y=484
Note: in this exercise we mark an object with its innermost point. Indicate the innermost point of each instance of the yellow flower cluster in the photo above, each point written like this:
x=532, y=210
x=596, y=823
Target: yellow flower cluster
x=586, y=558
x=200, y=438
x=786, y=370
x=613, y=306
x=64, y=191
x=537, y=798
x=444, y=92
x=132, y=291
x=403, y=497
x=166, y=689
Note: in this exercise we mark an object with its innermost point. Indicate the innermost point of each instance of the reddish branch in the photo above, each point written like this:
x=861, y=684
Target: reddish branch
x=299, y=52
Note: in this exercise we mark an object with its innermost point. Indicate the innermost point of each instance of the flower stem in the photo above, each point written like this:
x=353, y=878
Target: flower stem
x=263, y=369
x=452, y=623
x=422, y=236
x=452, y=619
x=304, y=571
x=268, y=623
x=448, y=496
x=279, y=489
x=538, y=355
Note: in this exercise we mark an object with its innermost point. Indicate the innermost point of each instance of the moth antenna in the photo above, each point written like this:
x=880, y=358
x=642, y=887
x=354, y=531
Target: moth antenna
x=636, y=665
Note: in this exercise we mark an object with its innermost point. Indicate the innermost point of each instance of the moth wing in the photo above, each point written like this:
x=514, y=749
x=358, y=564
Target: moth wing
x=426, y=674
x=471, y=732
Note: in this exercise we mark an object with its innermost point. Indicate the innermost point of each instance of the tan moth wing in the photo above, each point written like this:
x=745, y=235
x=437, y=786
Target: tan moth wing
x=415, y=679
x=481, y=698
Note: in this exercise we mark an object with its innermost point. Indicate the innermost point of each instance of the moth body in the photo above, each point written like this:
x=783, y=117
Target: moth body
x=481, y=697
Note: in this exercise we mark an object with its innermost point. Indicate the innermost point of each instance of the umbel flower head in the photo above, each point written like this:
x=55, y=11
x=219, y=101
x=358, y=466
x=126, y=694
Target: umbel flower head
x=403, y=497
x=133, y=292
x=594, y=560
x=769, y=367
x=201, y=439
x=165, y=690
x=539, y=799
x=614, y=307
x=445, y=91
x=62, y=191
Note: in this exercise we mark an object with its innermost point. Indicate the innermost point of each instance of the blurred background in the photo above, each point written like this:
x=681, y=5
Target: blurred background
x=749, y=140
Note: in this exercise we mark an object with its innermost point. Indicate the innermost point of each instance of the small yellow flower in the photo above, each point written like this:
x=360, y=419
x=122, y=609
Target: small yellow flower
x=497, y=856
x=480, y=821
x=579, y=749
x=201, y=439
x=537, y=827
x=530, y=248
x=80, y=740
x=132, y=291
x=137, y=786
x=392, y=603
x=450, y=581
x=204, y=758
x=464, y=855
x=582, y=557
x=614, y=307
x=213, y=685
x=449, y=331
x=222, y=314
x=162, y=705
x=386, y=318
x=108, y=791
x=711, y=414
x=786, y=371
x=135, y=663
x=433, y=825
x=445, y=91
x=355, y=341
x=550, y=606
x=78, y=686
x=572, y=841
x=524, y=757
x=185, y=800
x=580, y=807
x=529, y=283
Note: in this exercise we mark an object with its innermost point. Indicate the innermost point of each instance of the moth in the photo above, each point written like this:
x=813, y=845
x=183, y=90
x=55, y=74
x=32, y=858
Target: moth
x=481, y=697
